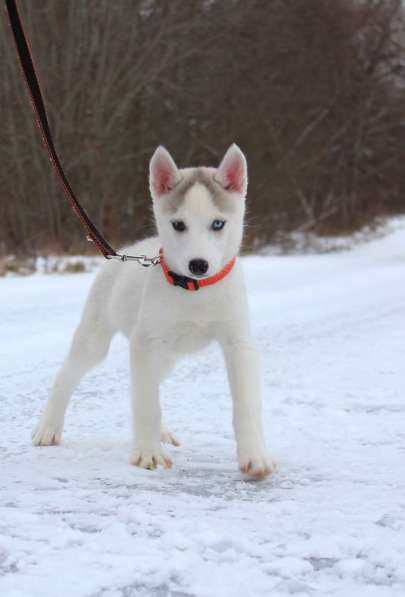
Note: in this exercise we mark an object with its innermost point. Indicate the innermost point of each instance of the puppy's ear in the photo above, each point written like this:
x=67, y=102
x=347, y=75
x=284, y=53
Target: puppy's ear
x=163, y=173
x=232, y=171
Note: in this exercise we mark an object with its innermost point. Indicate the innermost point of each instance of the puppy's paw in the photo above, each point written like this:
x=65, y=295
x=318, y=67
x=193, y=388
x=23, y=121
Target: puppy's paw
x=150, y=457
x=168, y=438
x=256, y=463
x=47, y=433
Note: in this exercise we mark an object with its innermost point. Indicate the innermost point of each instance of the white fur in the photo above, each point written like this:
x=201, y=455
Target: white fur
x=164, y=322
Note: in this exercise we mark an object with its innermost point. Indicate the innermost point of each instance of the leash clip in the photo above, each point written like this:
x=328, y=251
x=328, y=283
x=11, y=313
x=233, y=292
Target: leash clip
x=148, y=261
x=141, y=259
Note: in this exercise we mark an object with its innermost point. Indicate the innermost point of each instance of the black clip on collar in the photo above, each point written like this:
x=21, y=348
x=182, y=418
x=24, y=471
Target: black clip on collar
x=183, y=281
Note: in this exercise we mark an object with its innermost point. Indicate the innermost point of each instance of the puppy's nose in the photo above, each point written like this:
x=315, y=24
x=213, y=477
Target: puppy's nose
x=198, y=267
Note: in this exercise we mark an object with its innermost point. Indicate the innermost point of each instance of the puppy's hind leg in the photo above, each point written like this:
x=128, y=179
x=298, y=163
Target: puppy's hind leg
x=166, y=437
x=89, y=347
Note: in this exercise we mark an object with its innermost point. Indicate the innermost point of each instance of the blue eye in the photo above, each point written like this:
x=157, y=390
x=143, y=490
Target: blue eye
x=217, y=225
x=179, y=225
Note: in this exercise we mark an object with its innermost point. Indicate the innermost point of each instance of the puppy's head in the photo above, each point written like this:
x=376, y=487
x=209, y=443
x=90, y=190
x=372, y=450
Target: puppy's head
x=199, y=211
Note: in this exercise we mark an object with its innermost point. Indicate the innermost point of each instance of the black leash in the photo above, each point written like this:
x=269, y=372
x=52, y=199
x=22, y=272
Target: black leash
x=31, y=79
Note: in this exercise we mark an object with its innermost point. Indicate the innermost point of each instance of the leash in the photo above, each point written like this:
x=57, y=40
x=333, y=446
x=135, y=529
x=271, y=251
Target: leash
x=31, y=80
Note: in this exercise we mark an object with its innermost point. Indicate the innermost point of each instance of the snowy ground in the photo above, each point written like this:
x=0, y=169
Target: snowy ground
x=79, y=521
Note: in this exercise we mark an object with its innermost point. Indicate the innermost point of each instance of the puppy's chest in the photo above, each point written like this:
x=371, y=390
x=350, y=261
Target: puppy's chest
x=190, y=336
x=186, y=321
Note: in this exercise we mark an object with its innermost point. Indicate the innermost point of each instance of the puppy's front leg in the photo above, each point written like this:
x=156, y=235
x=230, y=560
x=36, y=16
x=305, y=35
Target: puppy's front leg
x=243, y=372
x=149, y=361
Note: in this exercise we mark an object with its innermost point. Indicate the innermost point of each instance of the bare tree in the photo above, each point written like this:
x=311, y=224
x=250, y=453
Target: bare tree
x=312, y=91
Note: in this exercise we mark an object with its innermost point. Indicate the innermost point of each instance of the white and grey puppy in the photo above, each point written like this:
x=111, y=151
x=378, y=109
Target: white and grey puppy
x=199, y=215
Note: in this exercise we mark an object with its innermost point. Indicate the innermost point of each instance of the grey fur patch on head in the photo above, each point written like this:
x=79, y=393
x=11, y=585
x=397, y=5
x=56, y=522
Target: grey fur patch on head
x=205, y=176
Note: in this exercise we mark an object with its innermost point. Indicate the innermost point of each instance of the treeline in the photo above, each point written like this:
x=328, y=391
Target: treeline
x=312, y=90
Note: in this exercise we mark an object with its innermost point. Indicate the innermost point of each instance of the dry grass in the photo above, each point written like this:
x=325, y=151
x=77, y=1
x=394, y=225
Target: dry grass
x=12, y=265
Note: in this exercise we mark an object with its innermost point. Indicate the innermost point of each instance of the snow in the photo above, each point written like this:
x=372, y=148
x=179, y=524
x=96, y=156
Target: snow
x=79, y=521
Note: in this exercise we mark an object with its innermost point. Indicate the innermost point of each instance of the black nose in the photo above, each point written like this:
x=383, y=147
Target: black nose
x=198, y=267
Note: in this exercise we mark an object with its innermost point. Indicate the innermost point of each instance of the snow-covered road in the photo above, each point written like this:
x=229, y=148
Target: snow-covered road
x=79, y=521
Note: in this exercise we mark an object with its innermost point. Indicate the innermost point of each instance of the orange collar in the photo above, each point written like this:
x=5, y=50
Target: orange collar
x=191, y=283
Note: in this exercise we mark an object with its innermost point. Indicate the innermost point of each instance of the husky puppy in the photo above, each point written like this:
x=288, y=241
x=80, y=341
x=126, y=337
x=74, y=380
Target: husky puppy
x=196, y=295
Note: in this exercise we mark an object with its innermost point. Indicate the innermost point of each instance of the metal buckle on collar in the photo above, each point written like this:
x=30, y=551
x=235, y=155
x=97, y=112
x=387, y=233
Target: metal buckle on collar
x=183, y=281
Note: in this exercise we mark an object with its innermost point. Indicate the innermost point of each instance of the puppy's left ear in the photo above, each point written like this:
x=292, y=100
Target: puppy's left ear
x=232, y=171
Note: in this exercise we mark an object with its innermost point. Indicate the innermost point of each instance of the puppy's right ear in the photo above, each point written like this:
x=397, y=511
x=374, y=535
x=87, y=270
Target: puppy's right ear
x=163, y=173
